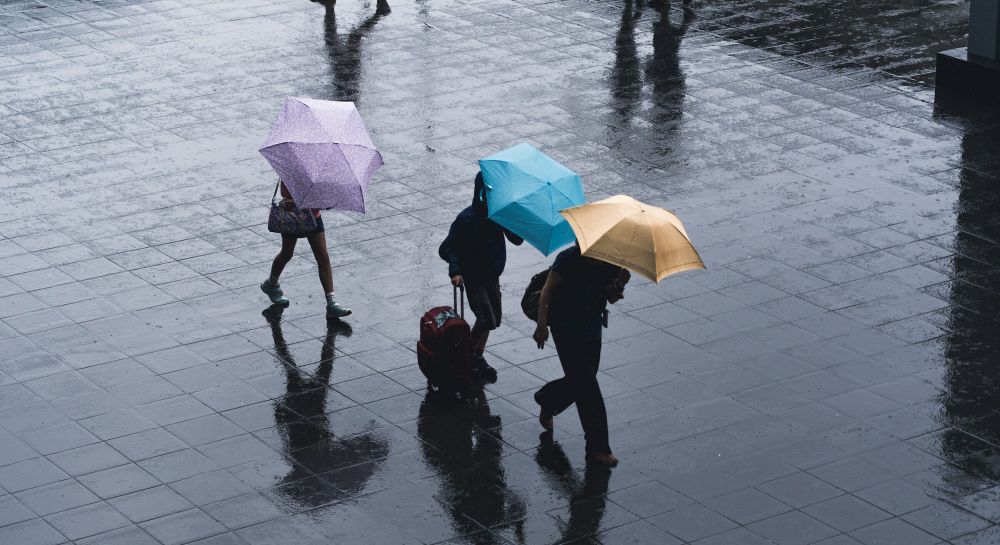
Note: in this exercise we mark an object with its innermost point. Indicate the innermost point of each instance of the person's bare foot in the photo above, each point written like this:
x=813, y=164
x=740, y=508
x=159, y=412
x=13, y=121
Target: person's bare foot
x=608, y=459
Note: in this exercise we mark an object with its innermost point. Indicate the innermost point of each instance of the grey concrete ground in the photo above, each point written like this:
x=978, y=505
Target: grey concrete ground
x=830, y=379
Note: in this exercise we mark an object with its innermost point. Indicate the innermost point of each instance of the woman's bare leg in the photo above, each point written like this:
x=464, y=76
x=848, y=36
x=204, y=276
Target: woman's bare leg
x=318, y=244
x=283, y=257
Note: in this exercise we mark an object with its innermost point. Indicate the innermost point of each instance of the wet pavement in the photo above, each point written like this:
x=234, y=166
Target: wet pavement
x=830, y=379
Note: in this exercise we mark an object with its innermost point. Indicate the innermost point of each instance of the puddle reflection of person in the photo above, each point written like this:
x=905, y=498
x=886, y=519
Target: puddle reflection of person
x=587, y=500
x=461, y=441
x=344, y=53
x=663, y=68
x=309, y=445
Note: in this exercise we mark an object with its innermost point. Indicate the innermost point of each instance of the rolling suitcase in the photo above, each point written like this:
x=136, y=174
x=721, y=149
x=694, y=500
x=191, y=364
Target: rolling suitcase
x=444, y=352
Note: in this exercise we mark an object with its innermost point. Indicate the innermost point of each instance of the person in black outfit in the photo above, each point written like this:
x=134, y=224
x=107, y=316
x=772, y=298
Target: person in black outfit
x=476, y=254
x=573, y=303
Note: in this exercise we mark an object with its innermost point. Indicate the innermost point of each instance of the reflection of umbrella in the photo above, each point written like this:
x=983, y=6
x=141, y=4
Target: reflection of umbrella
x=621, y=230
x=526, y=189
x=322, y=152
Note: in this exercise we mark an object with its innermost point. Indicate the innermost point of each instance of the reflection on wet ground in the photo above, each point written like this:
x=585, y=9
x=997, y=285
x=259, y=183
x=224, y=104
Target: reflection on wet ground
x=896, y=38
x=830, y=379
x=463, y=443
x=313, y=449
x=345, y=52
x=971, y=383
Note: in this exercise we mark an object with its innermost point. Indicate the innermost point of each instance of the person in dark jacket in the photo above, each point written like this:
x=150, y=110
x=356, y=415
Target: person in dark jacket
x=476, y=254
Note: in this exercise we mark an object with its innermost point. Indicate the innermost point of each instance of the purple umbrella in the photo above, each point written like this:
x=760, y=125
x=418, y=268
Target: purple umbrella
x=322, y=152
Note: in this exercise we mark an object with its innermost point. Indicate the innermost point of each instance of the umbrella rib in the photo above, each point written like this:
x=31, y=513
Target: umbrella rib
x=529, y=190
x=561, y=192
x=699, y=264
x=523, y=193
x=652, y=238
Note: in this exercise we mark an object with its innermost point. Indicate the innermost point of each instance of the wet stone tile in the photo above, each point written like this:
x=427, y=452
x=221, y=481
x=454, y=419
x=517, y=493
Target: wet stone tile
x=747, y=506
x=204, y=430
x=29, y=474
x=56, y=497
x=183, y=527
x=150, y=503
x=60, y=437
x=33, y=532
x=846, y=513
x=87, y=521
x=147, y=444
x=893, y=532
x=792, y=528
x=649, y=499
x=117, y=481
x=946, y=521
x=177, y=465
x=210, y=487
x=243, y=511
x=12, y=511
x=131, y=535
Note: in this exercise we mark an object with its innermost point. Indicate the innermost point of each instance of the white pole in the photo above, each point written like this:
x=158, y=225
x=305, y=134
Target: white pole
x=984, y=29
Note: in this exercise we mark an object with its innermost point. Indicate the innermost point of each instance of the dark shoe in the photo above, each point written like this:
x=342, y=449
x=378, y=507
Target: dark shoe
x=606, y=459
x=545, y=416
x=482, y=371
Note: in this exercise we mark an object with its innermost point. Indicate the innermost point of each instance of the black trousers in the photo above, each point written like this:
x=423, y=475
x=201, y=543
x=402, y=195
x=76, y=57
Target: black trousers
x=580, y=358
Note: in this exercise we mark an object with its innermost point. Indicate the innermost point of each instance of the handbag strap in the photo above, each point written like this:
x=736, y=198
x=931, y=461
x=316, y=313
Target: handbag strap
x=276, y=186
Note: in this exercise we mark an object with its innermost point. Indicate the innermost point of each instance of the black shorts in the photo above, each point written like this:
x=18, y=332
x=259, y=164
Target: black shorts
x=484, y=301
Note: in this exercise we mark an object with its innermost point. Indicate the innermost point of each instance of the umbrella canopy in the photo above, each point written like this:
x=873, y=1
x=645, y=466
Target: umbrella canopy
x=322, y=153
x=621, y=230
x=526, y=189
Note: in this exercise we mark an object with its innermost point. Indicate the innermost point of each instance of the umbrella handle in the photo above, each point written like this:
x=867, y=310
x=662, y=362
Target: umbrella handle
x=455, y=293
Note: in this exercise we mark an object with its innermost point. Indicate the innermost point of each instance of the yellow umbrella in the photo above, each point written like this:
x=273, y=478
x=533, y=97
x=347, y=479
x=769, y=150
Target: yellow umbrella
x=621, y=230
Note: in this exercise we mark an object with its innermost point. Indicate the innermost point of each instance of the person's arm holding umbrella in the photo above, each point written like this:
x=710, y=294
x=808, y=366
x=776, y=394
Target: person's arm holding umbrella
x=552, y=283
x=514, y=239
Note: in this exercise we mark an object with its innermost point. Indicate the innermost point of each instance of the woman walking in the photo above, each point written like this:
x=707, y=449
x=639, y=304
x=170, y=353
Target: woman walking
x=573, y=303
x=317, y=241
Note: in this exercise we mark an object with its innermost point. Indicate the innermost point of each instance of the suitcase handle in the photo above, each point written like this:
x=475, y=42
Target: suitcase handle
x=455, y=293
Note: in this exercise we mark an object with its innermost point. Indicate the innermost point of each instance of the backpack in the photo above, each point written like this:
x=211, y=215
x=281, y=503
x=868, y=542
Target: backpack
x=532, y=294
x=529, y=301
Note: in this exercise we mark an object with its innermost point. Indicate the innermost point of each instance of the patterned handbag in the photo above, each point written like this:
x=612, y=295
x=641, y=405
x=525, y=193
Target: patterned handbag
x=288, y=219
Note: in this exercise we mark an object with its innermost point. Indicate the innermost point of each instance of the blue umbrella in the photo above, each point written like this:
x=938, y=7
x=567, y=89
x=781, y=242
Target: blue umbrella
x=526, y=189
